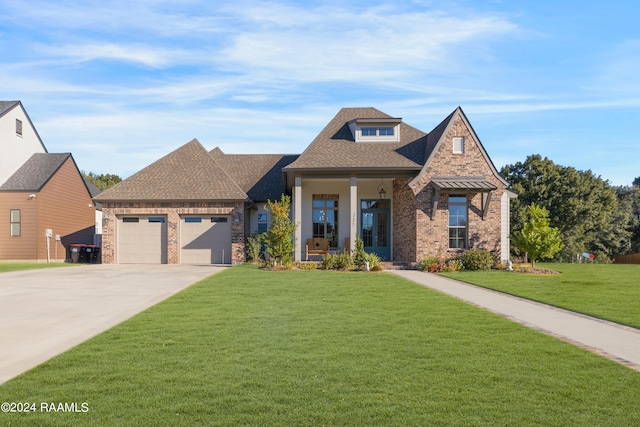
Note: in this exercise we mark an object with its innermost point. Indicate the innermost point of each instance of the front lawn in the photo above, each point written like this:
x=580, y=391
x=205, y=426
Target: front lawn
x=252, y=347
x=607, y=291
x=15, y=266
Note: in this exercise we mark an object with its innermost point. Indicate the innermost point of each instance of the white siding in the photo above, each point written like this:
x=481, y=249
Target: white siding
x=16, y=150
x=504, y=227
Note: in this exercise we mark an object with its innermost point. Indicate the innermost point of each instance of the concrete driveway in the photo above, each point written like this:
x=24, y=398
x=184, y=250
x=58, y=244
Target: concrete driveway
x=46, y=312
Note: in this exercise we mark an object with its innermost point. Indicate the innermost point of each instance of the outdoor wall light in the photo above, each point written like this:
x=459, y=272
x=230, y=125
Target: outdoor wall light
x=382, y=193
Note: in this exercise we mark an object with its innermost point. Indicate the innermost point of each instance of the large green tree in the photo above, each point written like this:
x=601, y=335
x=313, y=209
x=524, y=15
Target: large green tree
x=537, y=238
x=584, y=207
x=629, y=209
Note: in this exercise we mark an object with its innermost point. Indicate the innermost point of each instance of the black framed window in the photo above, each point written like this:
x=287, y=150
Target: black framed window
x=457, y=222
x=325, y=219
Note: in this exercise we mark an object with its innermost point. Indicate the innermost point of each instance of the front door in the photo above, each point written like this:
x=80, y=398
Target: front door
x=375, y=227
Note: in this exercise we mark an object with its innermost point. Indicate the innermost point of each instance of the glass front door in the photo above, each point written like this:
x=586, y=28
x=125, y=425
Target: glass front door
x=375, y=227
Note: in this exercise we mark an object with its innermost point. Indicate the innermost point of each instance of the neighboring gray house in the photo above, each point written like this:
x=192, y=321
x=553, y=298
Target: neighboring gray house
x=408, y=194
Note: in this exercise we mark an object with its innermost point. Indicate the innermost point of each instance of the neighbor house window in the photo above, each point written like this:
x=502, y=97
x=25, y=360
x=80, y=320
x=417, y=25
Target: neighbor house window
x=14, y=219
x=18, y=127
x=457, y=222
x=458, y=144
x=325, y=217
x=262, y=223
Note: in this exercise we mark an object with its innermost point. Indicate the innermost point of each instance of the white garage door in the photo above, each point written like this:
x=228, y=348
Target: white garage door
x=142, y=240
x=205, y=240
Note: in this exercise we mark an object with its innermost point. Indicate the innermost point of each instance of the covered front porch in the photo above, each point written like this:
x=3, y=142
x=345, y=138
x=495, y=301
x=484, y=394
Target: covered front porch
x=343, y=209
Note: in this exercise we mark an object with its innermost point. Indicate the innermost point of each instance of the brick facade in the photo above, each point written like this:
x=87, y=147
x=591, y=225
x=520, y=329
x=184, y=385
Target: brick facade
x=416, y=235
x=173, y=211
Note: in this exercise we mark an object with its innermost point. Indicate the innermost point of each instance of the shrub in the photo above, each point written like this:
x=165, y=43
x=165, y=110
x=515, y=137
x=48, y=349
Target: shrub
x=254, y=247
x=476, y=259
x=426, y=263
x=308, y=266
x=341, y=261
x=373, y=260
x=452, y=265
x=359, y=255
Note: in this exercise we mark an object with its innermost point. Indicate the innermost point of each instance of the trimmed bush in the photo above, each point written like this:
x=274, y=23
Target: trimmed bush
x=476, y=259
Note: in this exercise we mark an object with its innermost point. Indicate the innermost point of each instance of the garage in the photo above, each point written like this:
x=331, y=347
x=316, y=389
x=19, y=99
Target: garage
x=142, y=240
x=205, y=239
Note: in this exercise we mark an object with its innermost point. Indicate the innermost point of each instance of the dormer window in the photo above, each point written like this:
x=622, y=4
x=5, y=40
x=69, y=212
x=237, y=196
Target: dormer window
x=376, y=130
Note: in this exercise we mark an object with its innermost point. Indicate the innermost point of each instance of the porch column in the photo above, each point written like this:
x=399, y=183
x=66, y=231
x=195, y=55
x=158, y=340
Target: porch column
x=297, y=217
x=353, y=209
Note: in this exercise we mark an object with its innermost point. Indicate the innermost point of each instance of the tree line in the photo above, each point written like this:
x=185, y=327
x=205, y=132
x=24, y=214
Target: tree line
x=590, y=214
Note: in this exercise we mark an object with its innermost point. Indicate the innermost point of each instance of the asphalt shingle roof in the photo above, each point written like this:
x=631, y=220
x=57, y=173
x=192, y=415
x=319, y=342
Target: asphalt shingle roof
x=335, y=147
x=188, y=173
x=7, y=105
x=258, y=175
x=35, y=172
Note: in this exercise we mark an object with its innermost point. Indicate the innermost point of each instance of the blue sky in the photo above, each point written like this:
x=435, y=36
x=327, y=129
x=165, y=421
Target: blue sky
x=120, y=84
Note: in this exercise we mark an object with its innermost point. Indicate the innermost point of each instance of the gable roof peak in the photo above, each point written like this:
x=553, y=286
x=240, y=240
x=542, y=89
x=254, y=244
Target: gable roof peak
x=34, y=174
x=187, y=173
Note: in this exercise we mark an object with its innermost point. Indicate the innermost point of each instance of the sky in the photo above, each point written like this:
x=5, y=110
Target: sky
x=120, y=84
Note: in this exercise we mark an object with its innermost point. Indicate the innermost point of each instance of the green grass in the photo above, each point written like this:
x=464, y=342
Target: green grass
x=251, y=347
x=606, y=291
x=16, y=266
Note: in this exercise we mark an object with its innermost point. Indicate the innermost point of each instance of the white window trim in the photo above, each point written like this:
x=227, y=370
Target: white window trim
x=458, y=144
x=356, y=130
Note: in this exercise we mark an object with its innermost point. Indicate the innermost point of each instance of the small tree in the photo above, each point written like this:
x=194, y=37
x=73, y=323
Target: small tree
x=279, y=238
x=537, y=239
x=254, y=247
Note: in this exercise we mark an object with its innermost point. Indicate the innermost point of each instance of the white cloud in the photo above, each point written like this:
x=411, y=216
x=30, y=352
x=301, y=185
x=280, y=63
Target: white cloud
x=374, y=45
x=137, y=53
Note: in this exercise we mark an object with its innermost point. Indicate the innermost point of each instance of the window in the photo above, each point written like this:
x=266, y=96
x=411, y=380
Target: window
x=387, y=131
x=18, y=127
x=458, y=144
x=262, y=223
x=192, y=219
x=325, y=218
x=457, y=222
x=130, y=219
x=156, y=219
x=219, y=219
x=15, y=222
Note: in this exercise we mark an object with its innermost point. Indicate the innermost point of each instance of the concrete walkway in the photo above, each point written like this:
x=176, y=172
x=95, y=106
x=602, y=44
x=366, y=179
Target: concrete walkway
x=616, y=342
x=46, y=312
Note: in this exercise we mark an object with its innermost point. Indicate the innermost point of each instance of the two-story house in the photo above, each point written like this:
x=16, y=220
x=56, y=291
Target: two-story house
x=45, y=204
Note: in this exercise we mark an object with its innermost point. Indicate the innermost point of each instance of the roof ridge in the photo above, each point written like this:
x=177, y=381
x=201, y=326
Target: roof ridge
x=186, y=173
